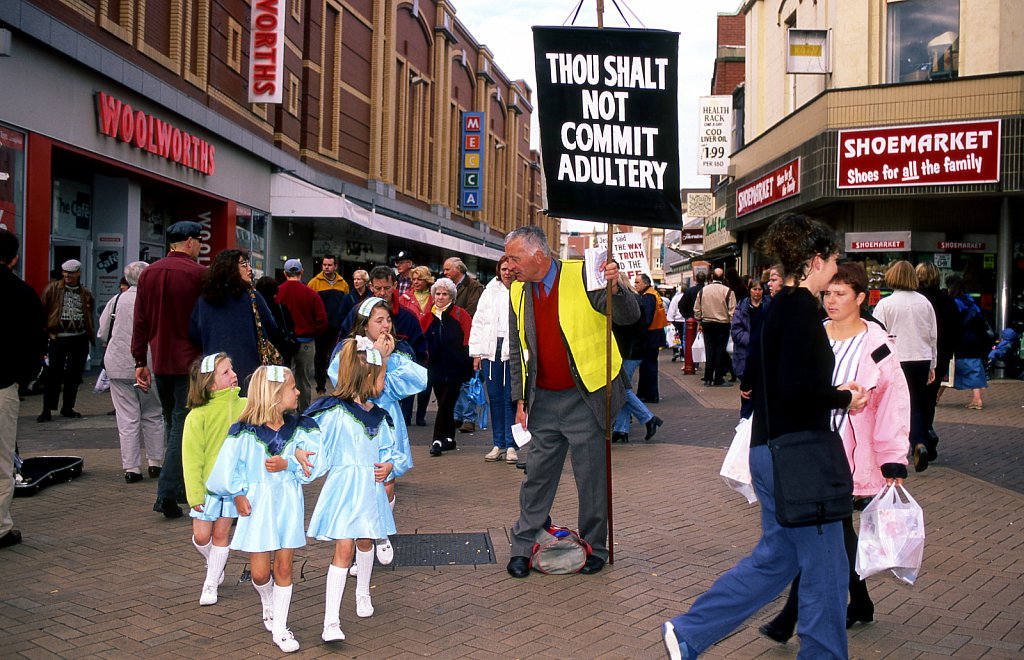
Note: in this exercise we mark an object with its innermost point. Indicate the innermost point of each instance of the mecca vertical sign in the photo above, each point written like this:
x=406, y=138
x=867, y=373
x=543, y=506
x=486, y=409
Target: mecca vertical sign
x=471, y=185
x=609, y=127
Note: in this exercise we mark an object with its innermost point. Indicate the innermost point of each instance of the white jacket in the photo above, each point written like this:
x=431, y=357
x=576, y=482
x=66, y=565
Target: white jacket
x=491, y=314
x=910, y=320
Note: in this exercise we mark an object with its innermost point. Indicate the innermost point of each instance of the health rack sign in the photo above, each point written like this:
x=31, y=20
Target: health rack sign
x=609, y=124
x=471, y=186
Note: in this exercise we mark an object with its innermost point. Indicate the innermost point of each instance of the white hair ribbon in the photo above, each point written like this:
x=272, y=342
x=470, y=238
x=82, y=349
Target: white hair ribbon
x=208, y=363
x=369, y=304
x=275, y=373
x=365, y=345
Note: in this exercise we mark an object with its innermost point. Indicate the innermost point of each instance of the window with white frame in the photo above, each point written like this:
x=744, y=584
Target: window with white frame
x=924, y=39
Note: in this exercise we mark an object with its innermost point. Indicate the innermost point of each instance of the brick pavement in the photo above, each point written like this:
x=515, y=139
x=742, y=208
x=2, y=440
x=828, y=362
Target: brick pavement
x=100, y=575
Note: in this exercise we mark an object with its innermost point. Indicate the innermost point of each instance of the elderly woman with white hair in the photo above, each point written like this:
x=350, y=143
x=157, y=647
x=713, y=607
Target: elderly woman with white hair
x=449, y=365
x=140, y=422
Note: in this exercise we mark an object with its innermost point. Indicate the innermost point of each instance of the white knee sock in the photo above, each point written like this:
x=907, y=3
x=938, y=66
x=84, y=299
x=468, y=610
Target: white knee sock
x=282, y=601
x=204, y=550
x=364, y=563
x=266, y=592
x=336, y=578
x=215, y=565
x=391, y=502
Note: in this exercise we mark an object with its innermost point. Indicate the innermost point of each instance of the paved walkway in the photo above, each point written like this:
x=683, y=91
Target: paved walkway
x=100, y=575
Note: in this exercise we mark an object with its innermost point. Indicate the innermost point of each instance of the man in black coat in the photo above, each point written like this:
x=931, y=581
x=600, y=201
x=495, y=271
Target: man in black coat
x=26, y=336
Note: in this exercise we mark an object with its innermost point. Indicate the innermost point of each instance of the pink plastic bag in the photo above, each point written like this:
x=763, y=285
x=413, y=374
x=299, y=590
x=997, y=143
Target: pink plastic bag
x=891, y=536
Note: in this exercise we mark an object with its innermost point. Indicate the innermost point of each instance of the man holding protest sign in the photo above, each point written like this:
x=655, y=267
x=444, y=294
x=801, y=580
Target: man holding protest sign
x=557, y=354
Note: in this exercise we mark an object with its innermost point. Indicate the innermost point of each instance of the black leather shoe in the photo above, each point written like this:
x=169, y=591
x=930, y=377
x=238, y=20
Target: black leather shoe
x=859, y=615
x=920, y=458
x=421, y=422
x=154, y=471
x=619, y=436
x=594, y=564
x=70, y=414
x=652, y=426
x=132, y=477
x=12, y=537
x=777, y=634
x=435, y=448
x=518, y=567
x=44, y=416
x=168, y=508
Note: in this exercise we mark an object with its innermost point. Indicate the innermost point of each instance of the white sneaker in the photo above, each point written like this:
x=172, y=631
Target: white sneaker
x=511, y=456
x=268, y=618
x=333, y=633
x=287, y=642
x=352, y=570
x=385, y=553
x=495, y=454
x=364, y=607
x=209, y=596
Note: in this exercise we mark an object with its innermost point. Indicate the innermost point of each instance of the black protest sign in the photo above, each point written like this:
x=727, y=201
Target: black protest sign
x=609, y=124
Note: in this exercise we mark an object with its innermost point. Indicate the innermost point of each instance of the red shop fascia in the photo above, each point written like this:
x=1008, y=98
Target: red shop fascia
x=130, y=132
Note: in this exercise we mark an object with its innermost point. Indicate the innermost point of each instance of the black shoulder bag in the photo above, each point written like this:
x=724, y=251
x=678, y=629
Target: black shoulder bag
x=813, y=482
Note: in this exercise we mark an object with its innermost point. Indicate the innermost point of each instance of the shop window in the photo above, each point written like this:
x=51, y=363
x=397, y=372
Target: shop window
x=924, y=40
x=235, y=45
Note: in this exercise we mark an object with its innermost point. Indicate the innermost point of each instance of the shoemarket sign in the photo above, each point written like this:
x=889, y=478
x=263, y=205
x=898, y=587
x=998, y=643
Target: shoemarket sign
x=921, y=155
x=775, y=186
x=609, y=123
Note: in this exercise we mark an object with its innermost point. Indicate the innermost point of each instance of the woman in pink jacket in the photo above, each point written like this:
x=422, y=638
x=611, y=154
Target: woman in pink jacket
x=876, y=437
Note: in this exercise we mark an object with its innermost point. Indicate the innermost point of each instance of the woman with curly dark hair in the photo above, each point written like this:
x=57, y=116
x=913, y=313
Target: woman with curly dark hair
x=797, y=393
x=223, y=321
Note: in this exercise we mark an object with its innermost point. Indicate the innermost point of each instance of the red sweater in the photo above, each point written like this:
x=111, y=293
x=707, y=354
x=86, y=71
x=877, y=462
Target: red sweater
x=553, y=372
x=305, y=306
x=167, y=292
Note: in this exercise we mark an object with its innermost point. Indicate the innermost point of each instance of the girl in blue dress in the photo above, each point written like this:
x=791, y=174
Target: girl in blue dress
x=269, y=504
x=404, y=378
x=214, y=406
x=359, y=453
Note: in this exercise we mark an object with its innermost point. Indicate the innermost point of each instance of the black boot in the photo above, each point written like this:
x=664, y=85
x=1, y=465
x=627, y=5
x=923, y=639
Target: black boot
x=782, y=626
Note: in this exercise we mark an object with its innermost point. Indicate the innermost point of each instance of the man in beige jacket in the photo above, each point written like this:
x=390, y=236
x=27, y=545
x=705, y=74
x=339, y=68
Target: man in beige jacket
x=713, y=310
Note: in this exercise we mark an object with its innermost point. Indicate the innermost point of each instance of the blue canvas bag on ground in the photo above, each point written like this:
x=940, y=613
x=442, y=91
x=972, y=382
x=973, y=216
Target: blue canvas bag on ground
x=472, y=397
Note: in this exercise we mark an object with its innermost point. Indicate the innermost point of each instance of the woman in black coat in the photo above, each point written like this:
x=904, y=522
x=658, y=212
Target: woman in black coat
x=449, y=364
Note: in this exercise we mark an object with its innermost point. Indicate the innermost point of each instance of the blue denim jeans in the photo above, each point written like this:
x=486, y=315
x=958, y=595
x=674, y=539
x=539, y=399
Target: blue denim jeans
x=633, y=405
x=498, y=377
x=757, y=579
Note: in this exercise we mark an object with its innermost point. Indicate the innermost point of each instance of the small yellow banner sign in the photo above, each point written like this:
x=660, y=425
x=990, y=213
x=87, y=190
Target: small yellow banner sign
x=805, y=50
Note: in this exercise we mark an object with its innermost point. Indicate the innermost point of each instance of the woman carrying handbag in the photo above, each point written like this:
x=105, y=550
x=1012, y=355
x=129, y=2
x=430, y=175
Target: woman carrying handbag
x=797, y=394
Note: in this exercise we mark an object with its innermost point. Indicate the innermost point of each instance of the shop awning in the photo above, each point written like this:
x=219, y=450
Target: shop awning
x=291, y=197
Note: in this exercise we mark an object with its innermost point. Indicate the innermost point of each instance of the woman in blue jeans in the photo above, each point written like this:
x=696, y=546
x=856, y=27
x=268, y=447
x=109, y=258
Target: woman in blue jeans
x=631, y=340
x=488, y=346
x=796, y=392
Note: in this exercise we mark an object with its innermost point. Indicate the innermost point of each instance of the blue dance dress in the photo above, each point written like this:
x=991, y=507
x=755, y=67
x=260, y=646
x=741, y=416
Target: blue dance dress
x=276, y=497
x=352, y=504
x=404, y=378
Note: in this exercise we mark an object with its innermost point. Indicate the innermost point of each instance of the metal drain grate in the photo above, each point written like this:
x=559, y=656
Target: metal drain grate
x=463, y=549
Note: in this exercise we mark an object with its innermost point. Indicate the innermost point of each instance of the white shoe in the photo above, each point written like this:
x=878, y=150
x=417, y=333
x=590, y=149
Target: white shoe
x=511, y=456
x=364, y=607
x=385, y=553
x=287, y=642
x=209, y=596
x=353, y=571
x=495, y=454
x=333, y=633
x=268, y=618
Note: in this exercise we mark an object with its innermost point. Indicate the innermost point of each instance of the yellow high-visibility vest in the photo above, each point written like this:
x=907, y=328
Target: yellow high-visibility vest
x=582, y=326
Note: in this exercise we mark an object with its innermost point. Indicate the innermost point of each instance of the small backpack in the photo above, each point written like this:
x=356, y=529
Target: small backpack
x=559, y=551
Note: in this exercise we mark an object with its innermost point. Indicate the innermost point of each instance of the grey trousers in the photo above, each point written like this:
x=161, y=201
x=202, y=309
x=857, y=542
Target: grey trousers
x=139, y=417
x=561, y=422
x=9, y=404
x=302, y=369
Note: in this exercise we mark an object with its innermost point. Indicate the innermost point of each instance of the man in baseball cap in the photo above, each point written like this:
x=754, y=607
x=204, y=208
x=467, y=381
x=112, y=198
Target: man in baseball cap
x=310, y=317
x=403, y=264
x=293, y=267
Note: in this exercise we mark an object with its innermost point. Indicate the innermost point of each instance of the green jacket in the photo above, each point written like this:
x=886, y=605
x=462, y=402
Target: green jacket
x=205, y=430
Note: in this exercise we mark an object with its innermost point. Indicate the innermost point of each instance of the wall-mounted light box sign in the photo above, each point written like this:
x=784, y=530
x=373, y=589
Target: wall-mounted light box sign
x=808, y=51
x=472, y=183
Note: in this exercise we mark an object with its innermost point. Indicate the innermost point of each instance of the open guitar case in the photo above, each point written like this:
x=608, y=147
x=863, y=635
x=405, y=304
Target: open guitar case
x=33, y=474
